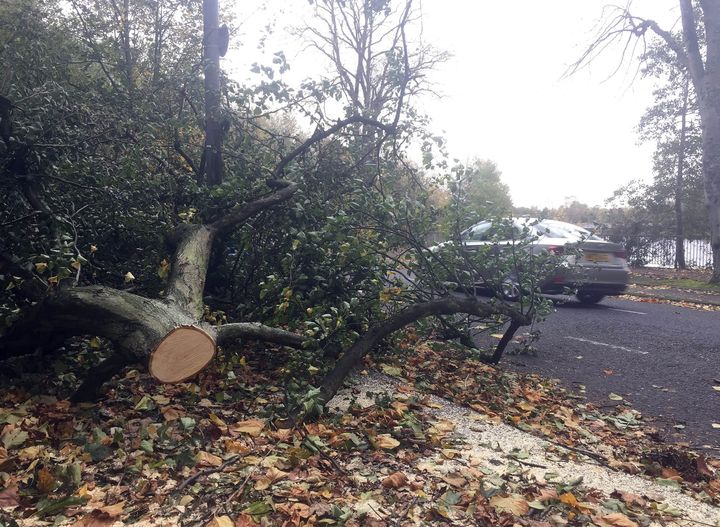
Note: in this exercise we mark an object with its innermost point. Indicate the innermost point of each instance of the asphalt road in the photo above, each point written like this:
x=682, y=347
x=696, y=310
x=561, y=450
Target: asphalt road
x=661, y=358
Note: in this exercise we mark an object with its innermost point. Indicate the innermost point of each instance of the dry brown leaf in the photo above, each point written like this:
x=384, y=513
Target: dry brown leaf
x=616, y=519
x=386, y=441
x=103, y=517
x=206, y=459
x=547, y=495
x=9, y=498
x=252, y=427
x=454, y=479
x=113, y=510
x=513, y=504
x=703, y=468
x=273, y=475
x=245, y=520
x=630, y=499
x=395, y=481
x=235, y=447
x=220, y=521
x=296, y=511
x=171, y=414
x=45, y=481
x=569, y=499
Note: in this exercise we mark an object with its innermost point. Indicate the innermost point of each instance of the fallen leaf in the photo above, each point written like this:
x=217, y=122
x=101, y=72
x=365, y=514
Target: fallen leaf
x=272, y=476
x=394, y=371
x=513, y=504
x=9, y=498
x=395, y=481
x=170, y=413
x=245, y=520
x=45, y=481
x=102, y=517
x=569, y=499
x=252, y=427
x=455, y=479
x=615, y=397
x=220, y=521
x=206, y=459
x=17, y=437
x=385, y=441
x=616, y=519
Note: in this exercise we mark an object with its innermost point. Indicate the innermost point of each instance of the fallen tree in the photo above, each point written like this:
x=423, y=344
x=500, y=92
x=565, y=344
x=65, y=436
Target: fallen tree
x=167, y=330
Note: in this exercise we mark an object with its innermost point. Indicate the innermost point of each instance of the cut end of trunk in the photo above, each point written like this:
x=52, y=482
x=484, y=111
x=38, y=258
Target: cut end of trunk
x=182, y=353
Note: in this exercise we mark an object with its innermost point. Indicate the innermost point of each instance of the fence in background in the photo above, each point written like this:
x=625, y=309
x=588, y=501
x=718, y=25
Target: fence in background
x=661, y=253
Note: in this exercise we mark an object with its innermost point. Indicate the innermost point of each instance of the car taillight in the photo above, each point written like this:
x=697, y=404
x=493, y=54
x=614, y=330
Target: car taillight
x=556, y=249
x=621, y=254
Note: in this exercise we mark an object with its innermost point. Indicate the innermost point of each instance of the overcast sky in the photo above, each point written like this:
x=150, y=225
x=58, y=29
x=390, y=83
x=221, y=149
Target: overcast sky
x=504, y=97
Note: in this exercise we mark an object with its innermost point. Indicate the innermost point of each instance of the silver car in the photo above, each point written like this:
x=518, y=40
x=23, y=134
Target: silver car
x=591, y=267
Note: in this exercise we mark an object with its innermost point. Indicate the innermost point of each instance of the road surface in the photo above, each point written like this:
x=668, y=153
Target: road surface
x=663, y=359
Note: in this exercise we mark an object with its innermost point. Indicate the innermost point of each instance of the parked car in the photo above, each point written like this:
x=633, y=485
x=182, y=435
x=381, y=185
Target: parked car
x=591, y=267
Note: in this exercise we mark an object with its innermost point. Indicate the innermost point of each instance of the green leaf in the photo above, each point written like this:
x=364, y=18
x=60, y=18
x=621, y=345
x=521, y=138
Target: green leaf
x=146, y=445
x=98, y=452
x=146, y=403
x=668, y=483
x=258, y=508
x=50, y=507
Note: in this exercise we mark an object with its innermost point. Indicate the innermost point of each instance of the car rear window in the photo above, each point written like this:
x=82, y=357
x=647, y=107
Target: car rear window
x=559, y=229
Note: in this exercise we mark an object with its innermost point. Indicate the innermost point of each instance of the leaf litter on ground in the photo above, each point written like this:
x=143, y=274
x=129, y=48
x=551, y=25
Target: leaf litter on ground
x=214, y=452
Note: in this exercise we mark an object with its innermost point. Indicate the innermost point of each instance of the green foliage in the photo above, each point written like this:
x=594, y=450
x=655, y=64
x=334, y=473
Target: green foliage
x=476, y=193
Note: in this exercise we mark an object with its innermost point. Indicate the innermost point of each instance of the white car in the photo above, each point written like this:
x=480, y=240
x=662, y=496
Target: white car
x=593, y=268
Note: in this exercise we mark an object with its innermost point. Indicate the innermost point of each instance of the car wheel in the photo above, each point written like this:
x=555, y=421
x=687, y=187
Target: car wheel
x=590, y=298
x=510, y=290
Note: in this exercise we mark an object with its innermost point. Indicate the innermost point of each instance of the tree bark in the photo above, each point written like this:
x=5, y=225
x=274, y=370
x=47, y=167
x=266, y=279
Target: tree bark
x=679, y=185
x=211, y=165
x=706, y=80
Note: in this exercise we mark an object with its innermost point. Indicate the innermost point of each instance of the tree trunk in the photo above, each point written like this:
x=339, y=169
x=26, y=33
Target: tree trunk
x=706, y=80
x=679, y=187
x=142, y=328
x=211, y=165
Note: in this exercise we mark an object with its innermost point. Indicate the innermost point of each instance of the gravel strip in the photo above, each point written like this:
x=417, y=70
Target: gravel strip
x=488, y=443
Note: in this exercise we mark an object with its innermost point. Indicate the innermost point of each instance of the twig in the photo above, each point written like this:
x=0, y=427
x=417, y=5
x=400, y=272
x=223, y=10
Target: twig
x=16, y=220
x=597, y=457
x=528, y=463
x=324, y=455
x=205, y=472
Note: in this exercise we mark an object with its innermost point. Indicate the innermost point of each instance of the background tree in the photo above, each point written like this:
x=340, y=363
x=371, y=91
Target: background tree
x=672, y=123
x=476, y=192
x=700, y=57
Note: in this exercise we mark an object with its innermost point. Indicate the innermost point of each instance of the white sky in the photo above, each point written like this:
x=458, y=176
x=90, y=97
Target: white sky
x=503, y=95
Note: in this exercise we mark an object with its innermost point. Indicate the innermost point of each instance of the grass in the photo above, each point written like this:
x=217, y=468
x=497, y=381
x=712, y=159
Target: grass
x=679, y=283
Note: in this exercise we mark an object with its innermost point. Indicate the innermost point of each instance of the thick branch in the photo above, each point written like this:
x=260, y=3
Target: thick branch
x=443, y=306
x=320, y=135
x=229, y=333
x=189, y=270
x=246, y=210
